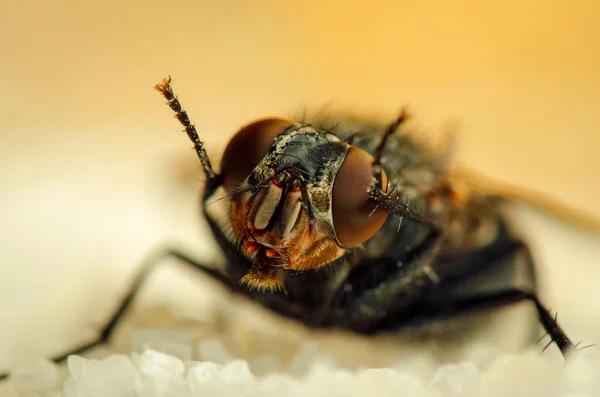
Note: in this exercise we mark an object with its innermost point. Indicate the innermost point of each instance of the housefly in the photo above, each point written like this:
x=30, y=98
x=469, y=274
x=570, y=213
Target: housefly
x=354, y=226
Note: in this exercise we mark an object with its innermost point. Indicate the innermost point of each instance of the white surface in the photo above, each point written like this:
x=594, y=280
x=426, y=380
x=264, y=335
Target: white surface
x=310, y=372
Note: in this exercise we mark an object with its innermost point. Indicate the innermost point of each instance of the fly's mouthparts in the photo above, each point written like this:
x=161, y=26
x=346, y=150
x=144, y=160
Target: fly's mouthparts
x=278, y=209
x=251, y=248
x=269, y=251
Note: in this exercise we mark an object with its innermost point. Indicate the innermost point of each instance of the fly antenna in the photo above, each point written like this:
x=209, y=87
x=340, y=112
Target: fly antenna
x=164, y=87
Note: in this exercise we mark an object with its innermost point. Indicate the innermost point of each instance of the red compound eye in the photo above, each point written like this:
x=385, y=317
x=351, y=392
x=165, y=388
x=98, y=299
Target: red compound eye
x=353, y=216
x=247, y=148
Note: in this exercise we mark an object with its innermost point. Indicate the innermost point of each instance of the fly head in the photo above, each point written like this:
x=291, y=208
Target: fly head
x=299, y=198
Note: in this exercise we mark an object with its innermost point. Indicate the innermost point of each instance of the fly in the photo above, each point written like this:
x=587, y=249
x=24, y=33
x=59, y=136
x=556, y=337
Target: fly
x=351, y=226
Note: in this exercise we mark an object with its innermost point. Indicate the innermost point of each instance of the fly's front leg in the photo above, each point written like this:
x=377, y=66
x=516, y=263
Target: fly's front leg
x=362, y=308
x=147, y=267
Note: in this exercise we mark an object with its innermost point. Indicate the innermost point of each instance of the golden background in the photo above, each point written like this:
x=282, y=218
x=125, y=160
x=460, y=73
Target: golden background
x=88, y=150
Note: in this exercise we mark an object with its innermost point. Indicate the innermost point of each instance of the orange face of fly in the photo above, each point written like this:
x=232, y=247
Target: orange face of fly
x=299, y=199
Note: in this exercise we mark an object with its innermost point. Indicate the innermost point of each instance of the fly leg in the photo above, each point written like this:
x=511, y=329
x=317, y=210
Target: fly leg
x=500, y=298
x=502, y=275
x=364, y=307
x=503, y=283
x=146, y=269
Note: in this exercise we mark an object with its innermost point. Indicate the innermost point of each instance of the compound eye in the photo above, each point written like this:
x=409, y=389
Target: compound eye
x=247, y=148
x=353, y=217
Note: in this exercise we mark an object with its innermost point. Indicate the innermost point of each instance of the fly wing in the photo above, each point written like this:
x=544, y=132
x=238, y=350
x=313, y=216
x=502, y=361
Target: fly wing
x=508, y=192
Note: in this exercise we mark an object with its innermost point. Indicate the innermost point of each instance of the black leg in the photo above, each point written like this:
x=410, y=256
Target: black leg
x=499, y=286
x=365, y=306
x=489, y=297
x=548, y=321
x=147, y=267
x=164, y=87
x=390, y=130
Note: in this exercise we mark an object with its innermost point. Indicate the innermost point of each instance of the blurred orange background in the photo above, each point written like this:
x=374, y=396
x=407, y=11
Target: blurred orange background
x=89, y=153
